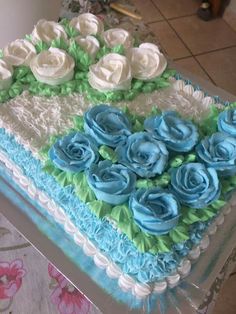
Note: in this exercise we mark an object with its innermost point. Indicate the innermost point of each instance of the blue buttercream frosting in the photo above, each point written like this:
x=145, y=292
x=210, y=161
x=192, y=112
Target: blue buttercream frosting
x=107, y=125
x=116, y=245
x=227, y=121
x=111, y=183
x=155, y=211
x=74, y=152
x=179, y=135
x=143, y=154
x=195, y=185
x=219, y=152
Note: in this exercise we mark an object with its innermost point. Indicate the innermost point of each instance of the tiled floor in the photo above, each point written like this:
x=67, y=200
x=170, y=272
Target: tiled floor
x=207, y=49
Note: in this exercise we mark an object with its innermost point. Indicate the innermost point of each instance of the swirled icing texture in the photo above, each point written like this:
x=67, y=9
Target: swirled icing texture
x=111, y=183
x=87, y=24
x=195, y=185
x=74, y=152
x=107, y=125
x=147, y=62
x=6, y=72
x=47, y=31
x=227, y=122
x=155, y=211
x=19, y=52
x=218, y=151
x=178, y=134
x=118, y=36
x=111, y=72
x=143, y=154
x=53, y=66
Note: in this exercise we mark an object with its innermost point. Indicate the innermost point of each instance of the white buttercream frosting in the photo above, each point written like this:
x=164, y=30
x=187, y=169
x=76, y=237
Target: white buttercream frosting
x=87, y=24
x=112, y=72
x=147, y=62
x=6, y=72
x=19, y=52
x=118, y=36
x=53, y=66
x=90, y=44
x=47, y=31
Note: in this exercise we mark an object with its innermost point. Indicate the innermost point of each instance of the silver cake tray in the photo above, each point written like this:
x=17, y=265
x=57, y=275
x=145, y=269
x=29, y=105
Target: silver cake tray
x=203, y=272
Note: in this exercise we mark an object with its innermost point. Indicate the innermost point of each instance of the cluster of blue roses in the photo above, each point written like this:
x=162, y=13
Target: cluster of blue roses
x=145, y=155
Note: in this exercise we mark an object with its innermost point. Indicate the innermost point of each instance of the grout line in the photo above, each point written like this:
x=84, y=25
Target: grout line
x=204, y=70
x=214, y=50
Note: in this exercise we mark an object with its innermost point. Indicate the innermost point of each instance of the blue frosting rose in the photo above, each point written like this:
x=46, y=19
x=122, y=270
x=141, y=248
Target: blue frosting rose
x=179, y=135
x=154, y=210
x=195, y=185
x=143, y=154
x=219, y=152
x=227, y=121
x=107, y=125
x=111, y=183
x=74, y=152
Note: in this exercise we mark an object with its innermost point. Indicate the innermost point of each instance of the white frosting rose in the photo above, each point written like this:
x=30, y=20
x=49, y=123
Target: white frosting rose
x=147, y=62
x=89, y=44
x=47, y=31
x=6, y=72
x=19, y=52
x=87, y=24
x=118, y=36
x=53, y=66
x=112, y=72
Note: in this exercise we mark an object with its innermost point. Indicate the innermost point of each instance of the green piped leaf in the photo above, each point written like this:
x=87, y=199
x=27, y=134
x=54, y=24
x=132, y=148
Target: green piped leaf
x=99, y=208
x=180, y=233
x=137, y=85
x=218, y=204
x=102, y=52
x=28, y=37
x=41, y=46
x=164, y=244
x=155, y=111
x=82, y=58
x=208, y=125
x=143, y=242
x=21, y=72
x=161, y=83
x=44, y=151
x=71, y=31
x=145, y=184
x=206, y=213
x=59, y=43
x=190, y=215
x=138, y=126
x=177, y=161
x=168, y=73
x=118, y=49
x=78, y=122
x=64, y=178
x=121, y=213
x=163, y=180
x=190, y=158
x=82, y=189
x=108, y=153
x=148, y=87
x=4, y=96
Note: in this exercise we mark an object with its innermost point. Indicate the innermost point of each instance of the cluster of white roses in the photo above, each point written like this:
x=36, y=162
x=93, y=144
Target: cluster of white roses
x=55, y=66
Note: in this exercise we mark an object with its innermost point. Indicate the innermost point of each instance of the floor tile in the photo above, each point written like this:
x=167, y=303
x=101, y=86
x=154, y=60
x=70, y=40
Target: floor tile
x=226, y=302
x=201, y=36
x=221, y=66
x=169, y=41
x=177, y=8
x=148, y=10
x=192, y=66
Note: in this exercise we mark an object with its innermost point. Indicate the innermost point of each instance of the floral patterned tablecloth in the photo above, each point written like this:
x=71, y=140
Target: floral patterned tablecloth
x=29, y=284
